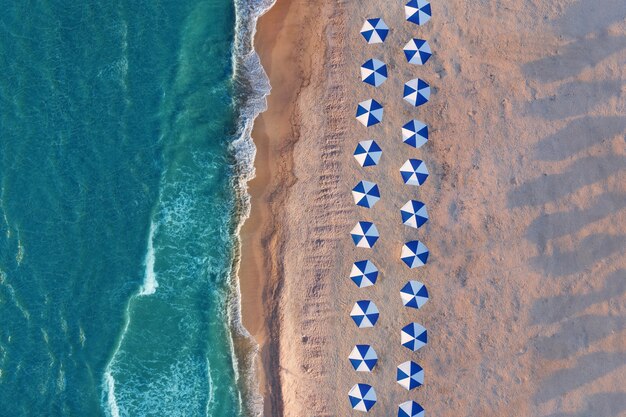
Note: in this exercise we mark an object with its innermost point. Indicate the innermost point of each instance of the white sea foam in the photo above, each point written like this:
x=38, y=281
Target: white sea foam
x=150, y=283
x=211, y=399
x=113, y=408
x=16, y=301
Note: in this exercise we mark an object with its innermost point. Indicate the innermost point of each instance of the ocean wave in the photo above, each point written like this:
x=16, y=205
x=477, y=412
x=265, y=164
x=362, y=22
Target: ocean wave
x=150, y=283
x=252, y=87
x=113, y=408
x=251, y=83
x=211, y=399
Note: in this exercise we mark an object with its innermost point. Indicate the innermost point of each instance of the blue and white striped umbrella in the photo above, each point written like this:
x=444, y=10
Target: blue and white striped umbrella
x=369, y=112
x=374, y=72
x=414, y=294
x=364, y=273
x=411, y=409
x=363, y=358
x=362, y=397
x=366, y=194
x=410, y=375
x=418, y=11
x=414, y=172
x=414, y=254
x=417, y=51
x=375, y=30
x=364, y=313
x=415, y=133
x=367, y=153
x=414, y=214
x=416, y=92
x=413, y=336
x=364, y=234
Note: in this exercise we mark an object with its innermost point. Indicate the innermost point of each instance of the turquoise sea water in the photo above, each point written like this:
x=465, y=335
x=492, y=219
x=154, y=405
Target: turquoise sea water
x=118, y=208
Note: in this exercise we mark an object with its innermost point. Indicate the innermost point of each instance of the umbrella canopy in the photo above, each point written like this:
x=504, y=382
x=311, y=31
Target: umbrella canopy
x=418, y=11
x=417, y=51
x=413, y=336
x=368, y=153
x=414, y=294
x=414, y=254
x=374, y=72
x=362, y=397
x=415, y=133
x=364, y=313
x=369, y=112
x=375, y=30
x=414, y=214
x=364, y=234
x=410, y=409
x=366, y=194
x=414, y=172
x=363, y=358
x=416, y=92
x=410, y=375
x=364, y=273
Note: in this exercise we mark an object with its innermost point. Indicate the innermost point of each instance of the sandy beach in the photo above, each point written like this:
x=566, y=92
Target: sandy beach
x=526, y=196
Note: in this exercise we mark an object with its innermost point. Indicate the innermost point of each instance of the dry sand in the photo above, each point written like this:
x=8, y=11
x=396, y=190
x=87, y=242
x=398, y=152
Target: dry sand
x=527, y=203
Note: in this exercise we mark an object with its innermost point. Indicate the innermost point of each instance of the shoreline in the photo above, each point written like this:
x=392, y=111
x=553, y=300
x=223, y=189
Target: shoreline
x=260, y=295
x=253, y=85
x=286, y=52
x=293, y=42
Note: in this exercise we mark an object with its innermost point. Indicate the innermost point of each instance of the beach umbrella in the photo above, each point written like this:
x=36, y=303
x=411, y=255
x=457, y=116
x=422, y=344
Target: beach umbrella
x=374, y=72
x=363, y=358
x=413, y=336
x=369, y=112
x=375, y=30
x=414, y=214
x=414, y=294
x=417, y=51
x=364, y=313
x=368, y=153
x=364, y=234
x=416, y=92
x=362, y=397
x=410, y=375
x=410, y=409
x=414, y=172
x=414, y=254
x=415, y=133
x=364, y=273
x=418, y=11
x=366, y=194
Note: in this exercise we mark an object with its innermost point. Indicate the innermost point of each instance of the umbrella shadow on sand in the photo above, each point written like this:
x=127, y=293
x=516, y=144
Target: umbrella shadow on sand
x=606, y=404
x=550, y=310
x=582, y=241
